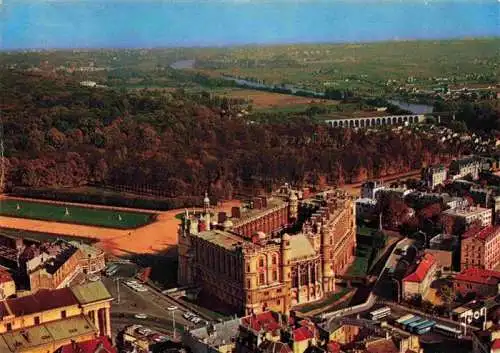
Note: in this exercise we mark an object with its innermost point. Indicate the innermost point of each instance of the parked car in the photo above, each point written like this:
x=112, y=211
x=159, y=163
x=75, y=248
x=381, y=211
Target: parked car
x=141, y=316
x=172, y=308
x=196, y=320
x=188, y=315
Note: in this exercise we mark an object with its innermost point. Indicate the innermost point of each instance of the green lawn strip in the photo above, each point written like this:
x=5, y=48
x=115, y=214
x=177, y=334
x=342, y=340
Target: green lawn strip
x=73, y=214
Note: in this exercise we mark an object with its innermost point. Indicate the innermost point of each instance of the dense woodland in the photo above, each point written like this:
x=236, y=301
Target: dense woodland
x=60, y=134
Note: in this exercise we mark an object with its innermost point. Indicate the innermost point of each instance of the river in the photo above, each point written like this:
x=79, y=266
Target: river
x=190, y=64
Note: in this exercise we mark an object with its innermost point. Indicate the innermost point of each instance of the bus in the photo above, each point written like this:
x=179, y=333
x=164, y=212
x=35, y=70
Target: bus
x=404, y=318
x=411, y=326
x=447, y=331
x=424, y=328
x=380, y=313
x=404, y=324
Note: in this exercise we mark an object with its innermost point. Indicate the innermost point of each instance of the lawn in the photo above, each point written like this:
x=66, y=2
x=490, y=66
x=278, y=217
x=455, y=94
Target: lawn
x=359, y=267
x=74, y=214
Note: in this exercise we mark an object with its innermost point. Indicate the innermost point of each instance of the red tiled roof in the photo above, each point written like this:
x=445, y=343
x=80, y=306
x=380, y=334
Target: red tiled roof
x=42, y=300
x=481, y=233
x=302, y=334
x=98, y=345
x=496, y=344
x=263, y=321
x=333, y=347
x=422, y=269
x=382, y=346
x=5, y=276
x=480, y=276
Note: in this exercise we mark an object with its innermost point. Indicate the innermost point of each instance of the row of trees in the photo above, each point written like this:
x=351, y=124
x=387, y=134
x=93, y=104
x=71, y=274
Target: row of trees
x=60, y=134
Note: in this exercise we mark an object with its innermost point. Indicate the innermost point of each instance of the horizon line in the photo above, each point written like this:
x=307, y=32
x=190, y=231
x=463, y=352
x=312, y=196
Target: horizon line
x=242, y=45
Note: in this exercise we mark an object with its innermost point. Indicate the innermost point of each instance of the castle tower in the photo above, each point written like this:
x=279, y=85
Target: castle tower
x=206, y=204
x=294, y=206
x=250, y=281
x=286, y=268
x=315, y=236
x=328, y=261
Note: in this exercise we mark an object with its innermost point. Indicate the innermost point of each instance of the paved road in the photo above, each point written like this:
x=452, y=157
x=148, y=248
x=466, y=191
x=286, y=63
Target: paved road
x=150, y=303
x=372, y=299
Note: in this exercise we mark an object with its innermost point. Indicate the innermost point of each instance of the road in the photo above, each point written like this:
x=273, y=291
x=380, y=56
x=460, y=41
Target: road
x=150, y=303
x=372, y=299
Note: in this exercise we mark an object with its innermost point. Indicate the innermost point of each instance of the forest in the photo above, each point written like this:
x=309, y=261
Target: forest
x=60, y=134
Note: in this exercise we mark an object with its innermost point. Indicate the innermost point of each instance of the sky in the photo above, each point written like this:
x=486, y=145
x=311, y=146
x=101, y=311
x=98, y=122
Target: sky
x=151, y=23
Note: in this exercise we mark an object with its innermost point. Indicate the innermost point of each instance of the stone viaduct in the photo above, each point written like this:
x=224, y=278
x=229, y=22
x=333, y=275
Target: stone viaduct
x=376, y=120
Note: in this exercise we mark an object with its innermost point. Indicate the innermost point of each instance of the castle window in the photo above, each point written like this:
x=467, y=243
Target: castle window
x=261, y=262
x=262, y=278
x=275, y=275
x=8, y=327
x=248, y=283
x=275, y=259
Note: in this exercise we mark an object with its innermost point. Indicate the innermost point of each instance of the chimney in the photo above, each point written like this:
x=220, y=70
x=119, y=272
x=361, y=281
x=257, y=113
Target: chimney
x=221, y=217
x=235, y=212
x=257, y=203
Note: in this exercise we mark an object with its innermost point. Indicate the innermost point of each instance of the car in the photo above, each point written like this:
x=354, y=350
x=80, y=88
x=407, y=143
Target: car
x=141, y=316
x=188, y=315
x=195, y=320
x=172, y=308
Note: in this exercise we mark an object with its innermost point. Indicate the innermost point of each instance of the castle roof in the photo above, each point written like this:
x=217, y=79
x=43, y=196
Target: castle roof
x=301, y=247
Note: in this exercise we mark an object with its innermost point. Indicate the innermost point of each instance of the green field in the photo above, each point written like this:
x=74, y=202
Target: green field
x=74, y=214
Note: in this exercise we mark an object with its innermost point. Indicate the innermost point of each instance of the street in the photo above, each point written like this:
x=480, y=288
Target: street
x=153, y=304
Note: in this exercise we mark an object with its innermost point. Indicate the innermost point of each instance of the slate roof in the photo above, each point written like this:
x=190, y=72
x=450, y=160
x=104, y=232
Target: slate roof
x=301, y=247
x=91, y=292
x=43, y=300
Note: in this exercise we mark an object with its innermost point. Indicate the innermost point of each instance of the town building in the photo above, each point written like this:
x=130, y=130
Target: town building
x=48, y=337
x=220, y=337
x=370, y=189
x=91, y=300
x=50, y=319
x=480, y=248
x=456, y=221
x=93, y=259
x=52, y=265
x=484, y=283
x=7, y=284
x=434, y=176
x=397, y=192
x=279, y=252
x=486, y=341
x=467, y=166
x=101, y=344
x=140, y=339
x=366, y=208
x=418, y=282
